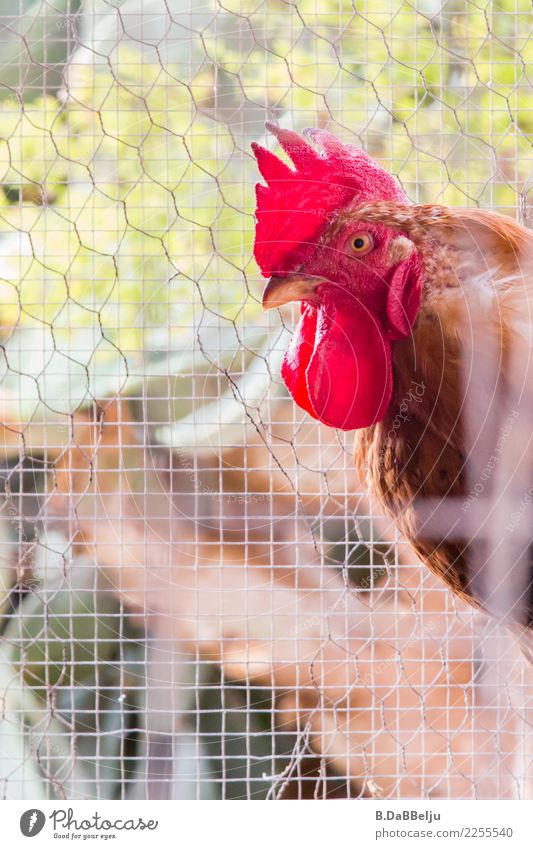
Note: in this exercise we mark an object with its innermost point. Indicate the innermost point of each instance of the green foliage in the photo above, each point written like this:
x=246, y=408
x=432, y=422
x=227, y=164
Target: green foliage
x=81, y=630
x=126, y=206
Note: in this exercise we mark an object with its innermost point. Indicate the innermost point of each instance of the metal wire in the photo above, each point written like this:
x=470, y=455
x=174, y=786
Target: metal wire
x=198, y=599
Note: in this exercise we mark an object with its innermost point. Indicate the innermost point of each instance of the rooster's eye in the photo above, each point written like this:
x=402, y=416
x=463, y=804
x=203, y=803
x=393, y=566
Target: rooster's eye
x=361, y=244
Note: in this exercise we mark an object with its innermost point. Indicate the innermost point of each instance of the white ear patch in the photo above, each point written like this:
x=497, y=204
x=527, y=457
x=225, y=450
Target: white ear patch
x=399, y=249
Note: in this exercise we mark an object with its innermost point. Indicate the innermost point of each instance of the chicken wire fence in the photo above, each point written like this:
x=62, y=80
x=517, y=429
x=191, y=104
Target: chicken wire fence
x=198, y=598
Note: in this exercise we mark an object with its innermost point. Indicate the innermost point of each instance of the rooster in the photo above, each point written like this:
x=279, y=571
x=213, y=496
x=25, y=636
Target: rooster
x=408, y=312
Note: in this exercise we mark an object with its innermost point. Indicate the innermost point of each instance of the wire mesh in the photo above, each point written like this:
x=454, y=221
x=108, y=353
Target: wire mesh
x=199, y=599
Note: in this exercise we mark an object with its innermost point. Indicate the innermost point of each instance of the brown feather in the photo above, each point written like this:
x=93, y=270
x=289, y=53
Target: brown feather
x=482, y=239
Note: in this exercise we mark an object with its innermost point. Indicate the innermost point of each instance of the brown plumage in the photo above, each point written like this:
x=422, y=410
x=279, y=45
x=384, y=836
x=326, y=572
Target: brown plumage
x=478, y=287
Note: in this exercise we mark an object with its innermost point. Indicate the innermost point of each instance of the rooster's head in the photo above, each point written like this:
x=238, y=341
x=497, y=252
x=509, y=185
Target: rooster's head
x=359, y=283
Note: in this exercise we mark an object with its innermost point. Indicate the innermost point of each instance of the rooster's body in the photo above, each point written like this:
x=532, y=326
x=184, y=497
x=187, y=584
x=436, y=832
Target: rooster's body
x=416, y=331
x=427, y=459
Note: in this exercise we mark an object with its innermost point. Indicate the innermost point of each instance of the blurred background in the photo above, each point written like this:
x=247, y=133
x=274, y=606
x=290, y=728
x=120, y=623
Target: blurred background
x=197, y=599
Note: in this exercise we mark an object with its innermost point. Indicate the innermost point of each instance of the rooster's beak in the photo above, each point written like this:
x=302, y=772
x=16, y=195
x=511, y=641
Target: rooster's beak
x=293, y=287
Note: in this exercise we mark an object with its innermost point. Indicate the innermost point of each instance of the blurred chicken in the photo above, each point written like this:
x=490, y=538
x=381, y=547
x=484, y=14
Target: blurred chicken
x=380, y=689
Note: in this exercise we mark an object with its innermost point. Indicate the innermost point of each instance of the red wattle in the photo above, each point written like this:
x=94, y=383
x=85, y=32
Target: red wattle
x=297, y=357
x=338, y=366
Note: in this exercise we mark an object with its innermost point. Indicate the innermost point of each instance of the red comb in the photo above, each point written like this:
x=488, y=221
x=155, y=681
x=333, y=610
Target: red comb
x=294, y=206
